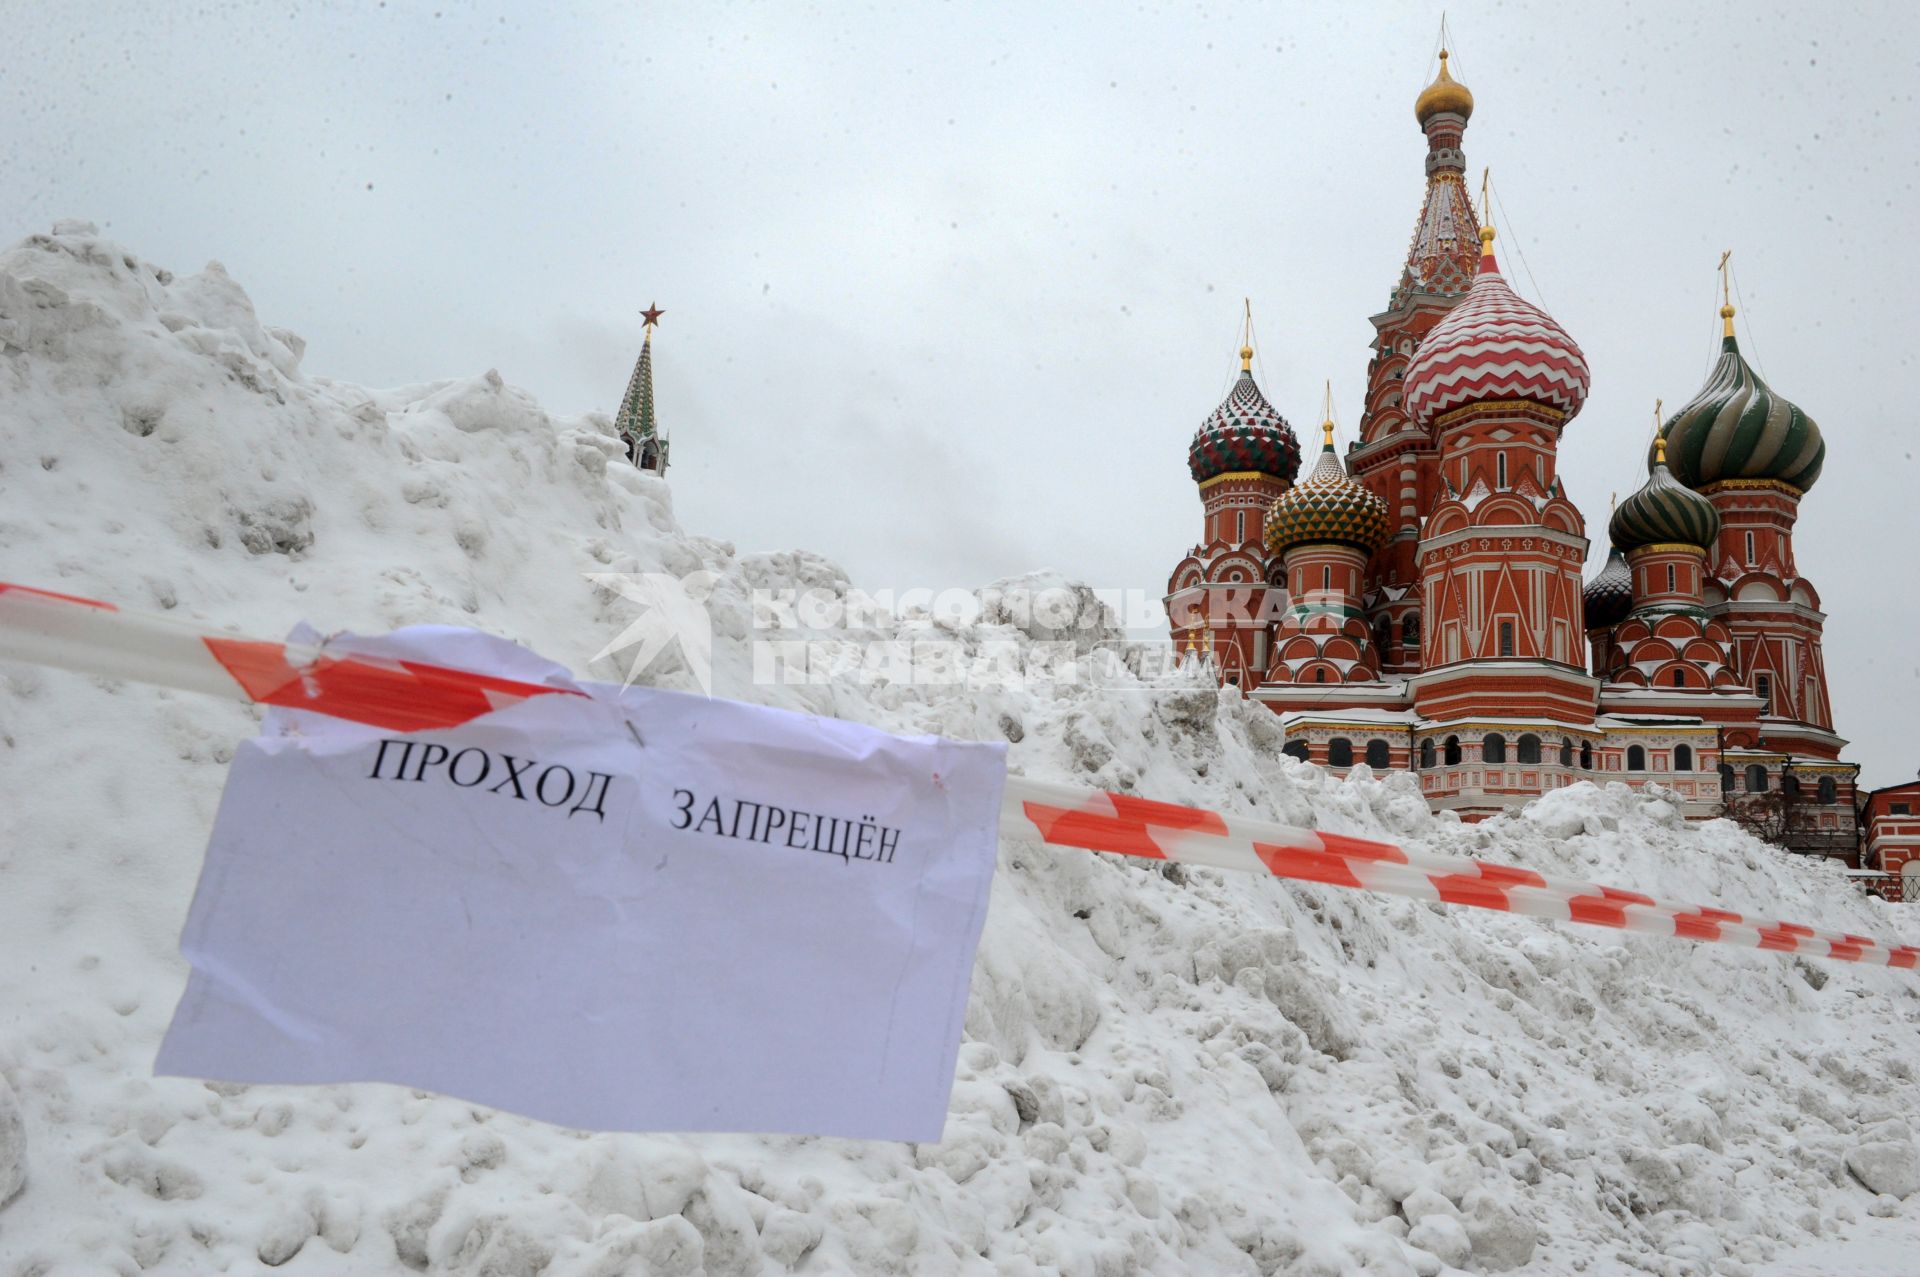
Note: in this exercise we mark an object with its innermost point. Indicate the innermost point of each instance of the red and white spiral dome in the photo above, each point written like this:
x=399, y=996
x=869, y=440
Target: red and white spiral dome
x=1494, y=345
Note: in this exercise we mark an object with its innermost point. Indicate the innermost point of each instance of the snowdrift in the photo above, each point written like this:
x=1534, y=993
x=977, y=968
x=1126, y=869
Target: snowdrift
x=1166, y=1071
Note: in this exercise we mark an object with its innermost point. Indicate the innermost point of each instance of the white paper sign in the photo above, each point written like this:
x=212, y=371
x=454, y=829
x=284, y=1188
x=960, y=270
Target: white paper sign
x=746, y=920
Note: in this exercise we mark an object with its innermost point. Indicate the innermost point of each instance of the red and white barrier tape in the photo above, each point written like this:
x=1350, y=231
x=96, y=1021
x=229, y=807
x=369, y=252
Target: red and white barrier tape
x=98, y=638
x=1066, y=817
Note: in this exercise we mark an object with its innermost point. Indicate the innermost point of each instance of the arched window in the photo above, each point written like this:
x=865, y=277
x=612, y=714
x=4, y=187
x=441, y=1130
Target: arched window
x=1763, y=684
x=1326, y=579
x=1453, y=750
x=1320, y=675
x=1682, y=758
x=1829, y=792
x=1671, y=586
x=1427, y=755
x=1726, y=778
x=1500, y=465
x=1790, y=785
x=1494, y=748
x=1756, y=779
x=1378, y=756
x=1529, y=748
x=1566, y=752
x=1383, y=634
x=1679, y=678
x=1410, y=630
x=1339, y=752
x=1295, y=749
x=1586, y=755
x=1636, y=759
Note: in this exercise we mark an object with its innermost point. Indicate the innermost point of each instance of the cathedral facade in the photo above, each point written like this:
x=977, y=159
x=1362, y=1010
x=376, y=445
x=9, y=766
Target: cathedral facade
x=1419, y=604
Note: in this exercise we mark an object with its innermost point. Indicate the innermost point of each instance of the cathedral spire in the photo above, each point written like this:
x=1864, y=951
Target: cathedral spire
x=1442, y=257
x=635, y=422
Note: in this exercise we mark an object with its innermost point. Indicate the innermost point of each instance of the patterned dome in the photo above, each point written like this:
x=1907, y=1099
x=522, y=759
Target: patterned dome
x=1494, y=345
x=1737, y=428
x=1664, y=511
x=1244, y=433
x=1326, y=507
x=1609, y=596
x=1444, y=94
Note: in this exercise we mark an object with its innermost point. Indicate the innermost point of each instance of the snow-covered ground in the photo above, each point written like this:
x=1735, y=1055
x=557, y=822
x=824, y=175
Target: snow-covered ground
x=1166, y=1071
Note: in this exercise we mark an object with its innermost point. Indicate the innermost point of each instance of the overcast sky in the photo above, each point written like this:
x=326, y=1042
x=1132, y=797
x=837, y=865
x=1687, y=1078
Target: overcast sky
x=948, y=287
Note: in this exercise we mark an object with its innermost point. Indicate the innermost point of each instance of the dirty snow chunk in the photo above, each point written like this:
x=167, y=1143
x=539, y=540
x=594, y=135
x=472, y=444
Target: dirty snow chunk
x=499, y=1243
x=162, y=1180
x=13, y=1145
x=788, y=1236
x=1050, y=608
x=487, y=402
x=641, y=1180
x=1886, y=1166
x=732, y=1246
x=1502, y=1239
x=1399, y=1177
x=287, y=1230
x=1423, y=1202
x=278, y=526
x=1884, y=1206
x=669, y=1247
x=1442, y=1236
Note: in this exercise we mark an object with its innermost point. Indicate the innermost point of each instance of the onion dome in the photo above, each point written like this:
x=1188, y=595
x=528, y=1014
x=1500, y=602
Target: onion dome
x=1326, y=508
x=1244, y=433
x=1494, y=345
x=1664, y=512
x=1609, y=596
x=1738, y=428
x=1444, y=94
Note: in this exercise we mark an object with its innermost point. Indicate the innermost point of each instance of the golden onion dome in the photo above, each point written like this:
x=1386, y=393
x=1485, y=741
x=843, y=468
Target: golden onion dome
x=1327, y=508
x=1444, y=94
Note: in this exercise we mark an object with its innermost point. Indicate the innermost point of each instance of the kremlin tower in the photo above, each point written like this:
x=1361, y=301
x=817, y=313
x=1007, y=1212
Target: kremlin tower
x=646, y=446
x=1421, y=606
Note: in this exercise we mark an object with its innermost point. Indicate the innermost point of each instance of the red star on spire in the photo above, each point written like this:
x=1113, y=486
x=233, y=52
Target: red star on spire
x=652, y=314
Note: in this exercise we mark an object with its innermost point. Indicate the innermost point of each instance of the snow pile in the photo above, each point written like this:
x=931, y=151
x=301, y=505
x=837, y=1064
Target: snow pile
x=1167, y=1071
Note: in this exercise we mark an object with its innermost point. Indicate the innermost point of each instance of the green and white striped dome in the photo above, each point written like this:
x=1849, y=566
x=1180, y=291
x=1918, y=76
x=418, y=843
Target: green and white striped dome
x=1663, y=512
x=1738, y=428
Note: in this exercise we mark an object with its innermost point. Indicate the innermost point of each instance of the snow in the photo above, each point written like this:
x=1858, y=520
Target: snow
x=1385, y=717
x=1166, y=1070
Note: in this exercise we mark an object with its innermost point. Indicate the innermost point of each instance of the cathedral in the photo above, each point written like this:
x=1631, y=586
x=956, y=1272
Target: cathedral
x=1418, y=604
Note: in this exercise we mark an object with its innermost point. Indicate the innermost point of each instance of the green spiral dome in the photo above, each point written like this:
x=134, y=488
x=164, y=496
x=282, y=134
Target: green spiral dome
x=1664, y=512
x=1738, y=428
